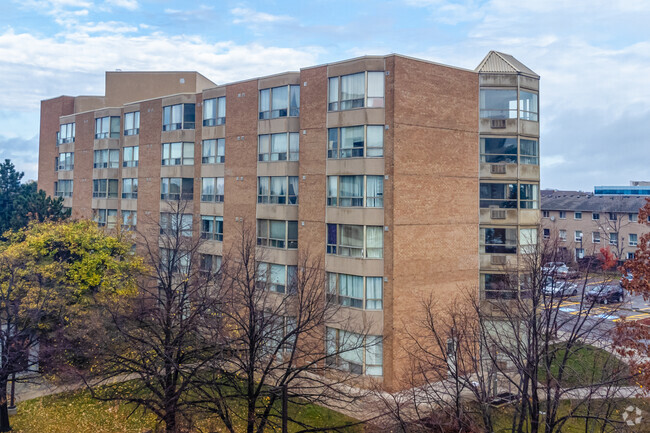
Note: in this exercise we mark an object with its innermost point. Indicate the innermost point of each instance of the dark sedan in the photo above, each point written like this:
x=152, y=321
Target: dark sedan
x=606, y=293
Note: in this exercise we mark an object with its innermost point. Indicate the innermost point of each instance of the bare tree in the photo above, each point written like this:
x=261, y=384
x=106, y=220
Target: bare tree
x=518, y=348
x=167, y=334
x=275, y=344
x=610, y=225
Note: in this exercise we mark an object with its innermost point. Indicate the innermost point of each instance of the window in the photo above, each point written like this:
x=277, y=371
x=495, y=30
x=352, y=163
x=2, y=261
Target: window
x=498, y=103
x=178, y=153
x=633, y=239
x=577, y=215
x=212, y=189
x=105, y=217
x=132, y=123
x=130, y=188
x=578, y=236
x=176, y=188
x=278, y=147
x=595, y=237
x=501, y=195
x=497, y=286
x=630, y=256
x=528, y=106
x=355, y=241
x=348, y=191
x=66, y=133
x=172, y=224
x=66, y=161
x=276, y=278
x=131, y=156
x=179, y=116
x=214, y=151
x=529, y=196
x=214, y=111
x=547, y=233
x=356, y=142
x=129, y=219
x=613, y=238
x=354, y=353
x=595, y=216
x=348, y=290
x=545, y=214
x=212, y=227
x=528, y=152
x=350, y=91
x=499, y=241
x=63, y=188
x=528, y=240
x=277, y=189
x=107, y=127
x=562, y=235
x=612, y=216
x=106, y=158
x=496, y=150
x=633, y=217
x=277, y=234
x=105, y=188
x=279, y=102
x=174, y=261
x=210, y=264
x=580, y=253
x=562, y=214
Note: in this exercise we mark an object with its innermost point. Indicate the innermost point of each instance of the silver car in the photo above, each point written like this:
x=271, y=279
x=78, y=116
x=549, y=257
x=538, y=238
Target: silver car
x=560, y=289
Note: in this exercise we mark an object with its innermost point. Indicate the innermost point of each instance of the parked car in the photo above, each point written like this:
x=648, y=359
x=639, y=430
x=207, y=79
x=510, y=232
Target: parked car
x=628, y=277
x=559, y=288
x=606, y=293
x=559, y=270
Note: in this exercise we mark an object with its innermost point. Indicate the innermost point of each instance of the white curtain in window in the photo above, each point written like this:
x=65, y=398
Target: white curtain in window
x=207, y=186
x=265, y=100
x=351, y=186
x=293, y=186
x=351, y=286
x=352, y=236
x=374, y=293
x=278, y=147
x=278, y=230
x=263, y=186
x=331, y=282
x=353, y=86
x=209, y=109
x=375, y=89
x=375, y=191
x=374, y=241
x=277, y=275
x=352, y=137
x=351, y=347
x=177, y=113
x=332, y=186
x=221, y=109
x=280, y=98
x=374, y=355
x=209, y=148
x=279, y=186
x=220, y=186
x=333, y=92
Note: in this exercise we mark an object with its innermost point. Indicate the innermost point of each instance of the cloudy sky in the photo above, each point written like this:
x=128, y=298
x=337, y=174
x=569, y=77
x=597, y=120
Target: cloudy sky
x=593, y=57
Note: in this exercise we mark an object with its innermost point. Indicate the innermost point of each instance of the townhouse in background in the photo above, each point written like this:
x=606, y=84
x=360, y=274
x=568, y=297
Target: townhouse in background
x=412, y=178
x=583, y=223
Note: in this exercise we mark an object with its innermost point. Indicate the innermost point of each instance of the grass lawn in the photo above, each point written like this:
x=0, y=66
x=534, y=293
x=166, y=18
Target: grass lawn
x=614, y=407
x=77, y=412
x=585, y=365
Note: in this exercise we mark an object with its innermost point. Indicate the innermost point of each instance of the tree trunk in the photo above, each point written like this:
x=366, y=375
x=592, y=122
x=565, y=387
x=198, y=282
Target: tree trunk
x=4, y=414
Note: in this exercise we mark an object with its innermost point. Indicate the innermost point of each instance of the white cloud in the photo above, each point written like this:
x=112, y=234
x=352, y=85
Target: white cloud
x=251, y=16
x=106, y=27
x=130, y=5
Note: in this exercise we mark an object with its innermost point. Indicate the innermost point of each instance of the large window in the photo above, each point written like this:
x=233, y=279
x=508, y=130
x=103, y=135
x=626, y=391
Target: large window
x=131, y=156
x=498, y=286
x=348, y=191
x=528, y=196
x=214, y=111
x=173, y=261
x=355, y=353
x=277, y=189
x=356, y=291
x=214, y=151
x=178, y=153
x=129, y=219
x=172, y=224
x=105, y=188
x=66, y=133
x=356, y=142
x=350, y=91
x=502, y=195
x=495, y=150
x=355, y=241
x=105, y=217
x=528, y=152
x=276, y=278
x=528, y=106
x=212, y=227
x=66, y=161
x=132, y=123
x=63, y=188
x=499, y=240
x=107, y=127
x=279, y=102
x=179, y=116
x=210, y=264
x=130, y=188
x=633, y=239
x=176, y=188
x=278, y=147
x=502, y=104
x=106, y=158
x=212, y=189
x=277, y=234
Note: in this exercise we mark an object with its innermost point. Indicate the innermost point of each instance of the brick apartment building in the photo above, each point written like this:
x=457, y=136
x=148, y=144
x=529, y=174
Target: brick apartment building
x=583, y=223
x=412, y=178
